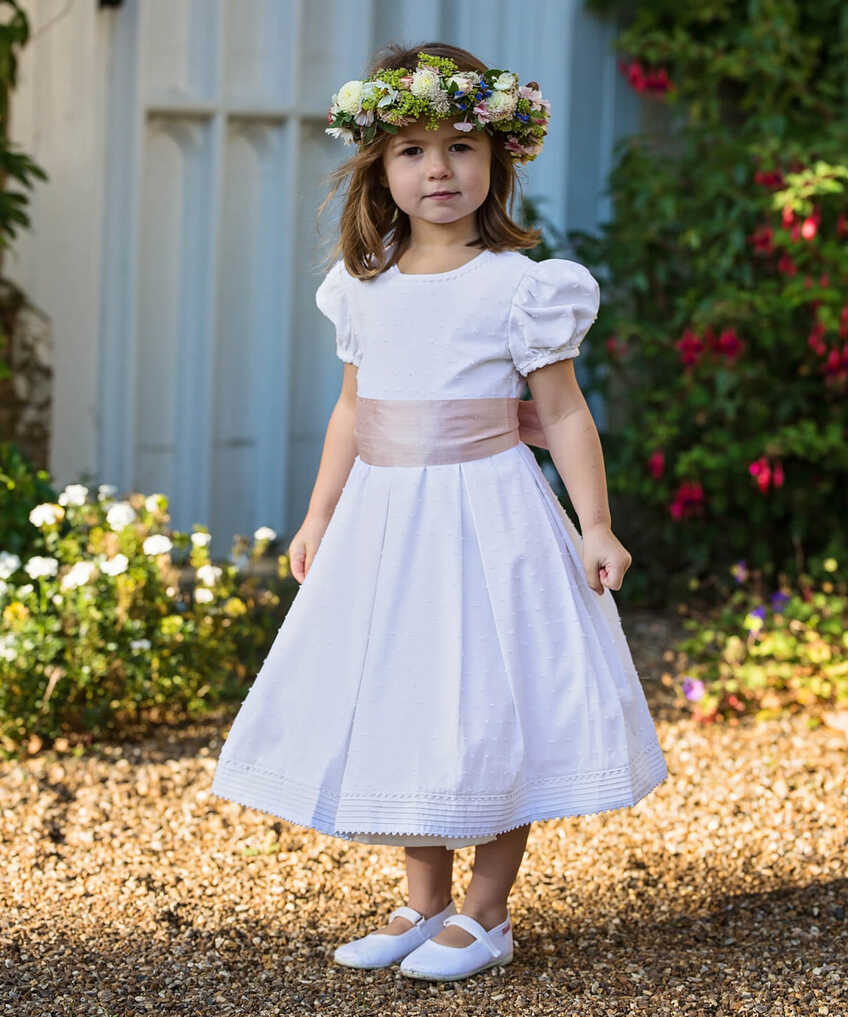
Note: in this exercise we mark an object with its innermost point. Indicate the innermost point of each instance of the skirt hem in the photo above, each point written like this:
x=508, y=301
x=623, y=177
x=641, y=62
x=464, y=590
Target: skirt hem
x=253, y=788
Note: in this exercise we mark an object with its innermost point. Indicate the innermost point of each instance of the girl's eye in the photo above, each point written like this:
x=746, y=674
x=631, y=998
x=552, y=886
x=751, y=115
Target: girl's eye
x=414, y=147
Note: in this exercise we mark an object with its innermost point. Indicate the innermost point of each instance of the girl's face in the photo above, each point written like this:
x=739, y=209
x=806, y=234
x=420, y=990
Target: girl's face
x=419, y=164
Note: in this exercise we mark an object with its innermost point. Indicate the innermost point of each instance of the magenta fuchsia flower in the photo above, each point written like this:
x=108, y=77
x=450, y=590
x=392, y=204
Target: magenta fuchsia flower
x=657, y=464
x=654, y=81
x=688, y=500
x=766, y=473
x=690, y=347
x=810, y=226
x=761, y=239
x=772, y=179
x=693, y=689
x=786, y=266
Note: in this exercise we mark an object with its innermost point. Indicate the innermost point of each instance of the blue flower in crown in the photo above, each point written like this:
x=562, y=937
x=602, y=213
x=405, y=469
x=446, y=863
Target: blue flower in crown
x=437, y=90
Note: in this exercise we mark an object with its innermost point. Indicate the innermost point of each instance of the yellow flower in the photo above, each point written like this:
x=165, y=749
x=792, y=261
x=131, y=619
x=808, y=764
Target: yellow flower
x=831, y=564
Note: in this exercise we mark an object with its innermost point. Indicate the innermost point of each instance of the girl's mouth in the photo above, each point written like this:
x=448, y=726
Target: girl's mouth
x=443, y=194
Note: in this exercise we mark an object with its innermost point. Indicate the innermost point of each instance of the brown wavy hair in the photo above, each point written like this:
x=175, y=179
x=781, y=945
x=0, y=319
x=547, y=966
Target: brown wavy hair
x=370, y=220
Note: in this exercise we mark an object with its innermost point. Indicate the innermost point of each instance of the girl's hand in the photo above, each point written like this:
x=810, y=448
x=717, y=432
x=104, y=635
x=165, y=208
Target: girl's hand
x=529, y=429
x=304, y=544
x=605, y=559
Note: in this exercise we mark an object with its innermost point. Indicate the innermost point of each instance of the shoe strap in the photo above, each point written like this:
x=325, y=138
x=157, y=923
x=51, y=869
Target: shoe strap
x=410, y=914
x=472, y=926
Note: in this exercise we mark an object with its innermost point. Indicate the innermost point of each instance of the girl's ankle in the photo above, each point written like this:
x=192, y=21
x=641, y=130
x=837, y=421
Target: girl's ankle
x=430, y=908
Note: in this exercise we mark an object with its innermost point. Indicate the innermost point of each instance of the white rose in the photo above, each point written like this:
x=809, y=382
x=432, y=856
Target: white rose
x=79, y=575
x=203, y=595
x=200, y=539
x=349, y=96
x=464, y=82
x=504, y=82
x=9, y=563
x=208, y=574
x=264, y=533
x=45, y=514
x=120, y=515
x=74, y=494
x=501, y=105
x=157, y=543
x=115, y=566
x=40, y=566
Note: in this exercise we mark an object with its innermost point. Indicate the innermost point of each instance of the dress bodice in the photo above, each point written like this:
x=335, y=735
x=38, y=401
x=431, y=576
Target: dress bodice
x=475, y=331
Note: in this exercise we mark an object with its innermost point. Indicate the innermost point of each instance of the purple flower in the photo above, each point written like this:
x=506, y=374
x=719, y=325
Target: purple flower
x=778, y=600
x=693, y=688
x=759, y=612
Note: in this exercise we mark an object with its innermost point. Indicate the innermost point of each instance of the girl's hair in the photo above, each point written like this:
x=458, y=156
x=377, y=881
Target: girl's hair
x=370, y=219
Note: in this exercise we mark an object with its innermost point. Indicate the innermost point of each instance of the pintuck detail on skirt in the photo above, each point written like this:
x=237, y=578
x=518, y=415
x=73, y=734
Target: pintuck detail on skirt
x=444, y=670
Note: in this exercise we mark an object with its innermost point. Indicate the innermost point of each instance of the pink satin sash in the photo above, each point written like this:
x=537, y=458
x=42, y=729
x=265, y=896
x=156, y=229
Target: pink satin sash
x=421, y=432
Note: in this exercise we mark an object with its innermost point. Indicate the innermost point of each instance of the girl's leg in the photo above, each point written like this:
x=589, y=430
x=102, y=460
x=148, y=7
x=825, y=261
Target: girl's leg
x=496, y=865
x=429, y=876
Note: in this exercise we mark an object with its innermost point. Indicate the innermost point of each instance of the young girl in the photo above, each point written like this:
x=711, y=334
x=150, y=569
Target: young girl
x=453, y=666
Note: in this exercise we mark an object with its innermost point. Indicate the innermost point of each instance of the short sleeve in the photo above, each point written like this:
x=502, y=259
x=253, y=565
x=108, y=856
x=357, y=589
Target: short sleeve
x=553, y=307
x=331, y=298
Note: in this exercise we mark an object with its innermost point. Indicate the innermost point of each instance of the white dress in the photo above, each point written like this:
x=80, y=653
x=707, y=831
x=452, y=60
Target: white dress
x=445, y=673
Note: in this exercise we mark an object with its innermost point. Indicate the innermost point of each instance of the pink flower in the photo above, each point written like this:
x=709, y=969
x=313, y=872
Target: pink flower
x=788, y=216
x=761, y=239
x=787, y=266
x=809, y=227
x=690, y=347
x=688, y=500
x=729, y=343
x=657, y=464
x=773, y=179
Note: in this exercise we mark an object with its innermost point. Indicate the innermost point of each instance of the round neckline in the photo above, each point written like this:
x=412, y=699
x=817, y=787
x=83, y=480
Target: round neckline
x=442, y=275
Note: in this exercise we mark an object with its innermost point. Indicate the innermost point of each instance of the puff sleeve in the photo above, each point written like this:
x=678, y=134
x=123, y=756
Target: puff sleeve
x=331, y=297
x=553, y=307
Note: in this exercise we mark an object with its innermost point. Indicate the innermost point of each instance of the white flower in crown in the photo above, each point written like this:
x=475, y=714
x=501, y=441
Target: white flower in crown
x=506, y=81
x=465, y=82
x=425, y=83
x=349, y=97
x=345, y=133
x=365, y=117
x=501, y=105
x=369, y=88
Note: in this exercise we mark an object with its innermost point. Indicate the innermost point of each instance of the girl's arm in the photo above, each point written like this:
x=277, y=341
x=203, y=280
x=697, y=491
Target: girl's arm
x=575, y=448
x=338, y=452
x=337, y=457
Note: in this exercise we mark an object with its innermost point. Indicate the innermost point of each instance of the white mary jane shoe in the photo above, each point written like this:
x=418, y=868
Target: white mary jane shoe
x=380, y=949
x=440, y=963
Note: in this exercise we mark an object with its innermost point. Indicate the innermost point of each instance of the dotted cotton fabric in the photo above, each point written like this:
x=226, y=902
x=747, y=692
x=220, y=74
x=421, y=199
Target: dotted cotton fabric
x=445, y=673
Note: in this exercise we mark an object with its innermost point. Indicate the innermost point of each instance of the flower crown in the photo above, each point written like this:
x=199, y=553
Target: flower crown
x=437, y=89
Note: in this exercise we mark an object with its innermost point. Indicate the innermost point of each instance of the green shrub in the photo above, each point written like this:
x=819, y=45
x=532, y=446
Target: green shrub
x=22, y=487
x=768, y=654
x=114, y=620
x=721, y=348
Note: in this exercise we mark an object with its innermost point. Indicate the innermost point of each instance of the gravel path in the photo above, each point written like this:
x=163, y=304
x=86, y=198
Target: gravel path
x=127, y=888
